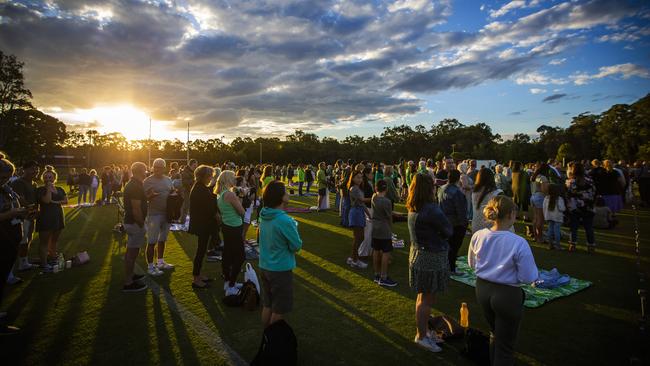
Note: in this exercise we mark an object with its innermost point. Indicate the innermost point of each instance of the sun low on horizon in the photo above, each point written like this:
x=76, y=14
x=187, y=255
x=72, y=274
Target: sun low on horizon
x=126, y=119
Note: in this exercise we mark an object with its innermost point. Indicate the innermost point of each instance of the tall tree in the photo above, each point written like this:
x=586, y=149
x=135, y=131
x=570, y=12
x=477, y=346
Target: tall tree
x=13, y=94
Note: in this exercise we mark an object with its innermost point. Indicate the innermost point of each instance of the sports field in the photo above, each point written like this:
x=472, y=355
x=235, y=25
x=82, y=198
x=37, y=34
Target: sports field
x=341, y=317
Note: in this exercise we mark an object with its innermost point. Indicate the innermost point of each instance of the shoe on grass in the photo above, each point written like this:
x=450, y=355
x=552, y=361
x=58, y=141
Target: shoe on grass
x=428, y=344
x=154, y=271
x=134, y=287
x=387, y=282
x=164, y=266
x=434, y=337
x=232, y=291
x=377, y=279
x=13, y=280
x=361, y=265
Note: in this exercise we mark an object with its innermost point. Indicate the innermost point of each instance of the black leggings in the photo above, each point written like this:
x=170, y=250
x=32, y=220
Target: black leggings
x=455, y=242
x=233, y=253
x=203, y=240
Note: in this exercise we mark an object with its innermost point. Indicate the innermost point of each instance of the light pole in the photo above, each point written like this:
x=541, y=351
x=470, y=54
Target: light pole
x=188, y=142
x=149, y=145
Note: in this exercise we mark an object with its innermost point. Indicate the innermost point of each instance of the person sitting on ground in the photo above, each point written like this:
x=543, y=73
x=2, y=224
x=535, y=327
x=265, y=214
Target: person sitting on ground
x=279, y=243
x=135, y=212
x=50, y=221
x=429, y=229
x=382, y=243
x=157, y=188
x=502, y=261
x=603, y=215
x=204, y=220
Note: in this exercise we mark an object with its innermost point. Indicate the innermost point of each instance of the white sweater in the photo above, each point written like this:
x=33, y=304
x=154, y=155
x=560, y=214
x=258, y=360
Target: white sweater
x=556, y=215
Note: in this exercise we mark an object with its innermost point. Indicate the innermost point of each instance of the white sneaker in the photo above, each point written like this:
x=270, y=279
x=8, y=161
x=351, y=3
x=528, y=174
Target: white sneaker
x=434, y=337
x=350, y=262
x=155, y=272
x=238, y=285
x=361, y=264
x=26, y=266
x=427, y=344
x=232, y=291
x=164, y=265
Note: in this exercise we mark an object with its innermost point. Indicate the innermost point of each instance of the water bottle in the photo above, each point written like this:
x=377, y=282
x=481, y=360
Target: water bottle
x=61, y=262
x=464, y=315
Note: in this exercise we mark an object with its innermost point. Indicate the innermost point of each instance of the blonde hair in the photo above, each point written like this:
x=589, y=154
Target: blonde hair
x=499, y=208
x=607, y=164
x=6, y=166
x=225, y=181
x=462, y=167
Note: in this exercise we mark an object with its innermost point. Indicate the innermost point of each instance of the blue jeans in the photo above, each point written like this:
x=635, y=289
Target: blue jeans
x=83, y=193
x=587, y=220
x=553, y=232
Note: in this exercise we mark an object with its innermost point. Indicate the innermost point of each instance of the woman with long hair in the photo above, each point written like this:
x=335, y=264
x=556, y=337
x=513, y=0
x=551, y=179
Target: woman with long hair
x=484, y=190
x=204, y=220
x=356, y=217
x=50, y=221
x=429, y=229
x=539, y=190
x=232, y=213
x=502, y=261
x=581, y=193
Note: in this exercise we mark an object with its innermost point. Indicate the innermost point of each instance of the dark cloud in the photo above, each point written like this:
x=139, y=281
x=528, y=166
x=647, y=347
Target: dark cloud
x=554, y=98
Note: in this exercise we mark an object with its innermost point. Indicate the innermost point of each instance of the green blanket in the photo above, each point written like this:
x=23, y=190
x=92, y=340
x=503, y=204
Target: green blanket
x=535, y=297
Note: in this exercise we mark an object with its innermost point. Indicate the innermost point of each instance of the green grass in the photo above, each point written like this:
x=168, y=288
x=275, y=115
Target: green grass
x=340, y=316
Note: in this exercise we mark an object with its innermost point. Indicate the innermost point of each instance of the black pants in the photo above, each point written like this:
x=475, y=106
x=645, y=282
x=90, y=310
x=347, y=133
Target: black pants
x=300, y=188
x=503, y=308
x=233, y=253
x=8, y=254
x=455, y=242
x=203, y=240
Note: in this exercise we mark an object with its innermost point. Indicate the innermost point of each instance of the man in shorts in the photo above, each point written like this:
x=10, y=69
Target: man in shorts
x=135, y=210
x=382, y=243
x=157, y=188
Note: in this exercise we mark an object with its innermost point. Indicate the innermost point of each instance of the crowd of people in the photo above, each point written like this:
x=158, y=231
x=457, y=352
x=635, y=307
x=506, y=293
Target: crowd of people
x=445, y=201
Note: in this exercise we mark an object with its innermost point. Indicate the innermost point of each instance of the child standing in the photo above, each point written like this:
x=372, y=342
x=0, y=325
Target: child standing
x=382, y=243
x=603, y=215
x=554, y=208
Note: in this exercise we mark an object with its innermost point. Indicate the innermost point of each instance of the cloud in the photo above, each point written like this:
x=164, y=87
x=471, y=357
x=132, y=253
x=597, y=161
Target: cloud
x=517, y=113
x=624, y=71
x=537, y=91
x=553, y=98
x=557, y=61
x=505, y=9
x=539, y=79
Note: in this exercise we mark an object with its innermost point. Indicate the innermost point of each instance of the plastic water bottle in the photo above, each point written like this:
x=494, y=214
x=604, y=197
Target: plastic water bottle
x=61, y=262
x=464, y=315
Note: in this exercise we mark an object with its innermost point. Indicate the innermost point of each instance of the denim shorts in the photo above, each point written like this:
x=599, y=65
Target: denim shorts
x=537, y=200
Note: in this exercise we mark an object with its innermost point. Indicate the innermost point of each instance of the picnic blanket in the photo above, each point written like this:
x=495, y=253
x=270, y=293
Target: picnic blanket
x=535, y=296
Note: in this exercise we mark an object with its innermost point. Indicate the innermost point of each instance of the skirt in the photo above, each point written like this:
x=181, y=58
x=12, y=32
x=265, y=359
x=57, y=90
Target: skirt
x=357, y=217
x=428, y=271
x=614, y=202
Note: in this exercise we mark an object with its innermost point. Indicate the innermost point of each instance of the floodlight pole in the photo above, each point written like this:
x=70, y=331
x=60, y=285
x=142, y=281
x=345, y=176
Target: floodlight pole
x=188, y=142
x=149, y=144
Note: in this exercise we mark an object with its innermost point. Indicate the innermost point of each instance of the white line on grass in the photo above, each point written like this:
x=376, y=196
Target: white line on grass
x=211, y=338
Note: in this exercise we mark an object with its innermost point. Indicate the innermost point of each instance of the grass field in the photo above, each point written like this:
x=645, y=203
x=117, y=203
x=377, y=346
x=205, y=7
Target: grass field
x=340, y=316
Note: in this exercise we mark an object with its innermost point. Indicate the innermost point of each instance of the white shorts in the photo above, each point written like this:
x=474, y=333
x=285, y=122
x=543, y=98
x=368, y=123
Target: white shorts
x=157, y=228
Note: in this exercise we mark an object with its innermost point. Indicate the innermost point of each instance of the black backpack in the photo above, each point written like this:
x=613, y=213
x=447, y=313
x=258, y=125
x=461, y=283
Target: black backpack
x=279, y=346
x=477, y=347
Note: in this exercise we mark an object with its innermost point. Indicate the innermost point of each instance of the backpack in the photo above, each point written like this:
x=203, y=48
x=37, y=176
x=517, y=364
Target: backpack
x=446, y=327
x=247, y=297
x=278, y=347
x=477, y=347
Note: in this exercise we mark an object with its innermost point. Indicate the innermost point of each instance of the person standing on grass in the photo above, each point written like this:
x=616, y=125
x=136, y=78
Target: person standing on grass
x=428, y=258
x=12, y=214
x=157, y=188
x=484, y=189
x=232, y=223
x=204, y=220
x=382, y=243
x=502, y=261
x=279, y=243
x=309, y=177
x=581, y=194
x=321, y=180
x=454, y=204
x=391, y=190
x=135, y=211
x=301, y=178
x=50, y=221
x=187, y=181
x=520, y=188
x=290, y=175
x=94, y=185
x=107, y=184
x=356, y=218
x=539, y=189
x=267, y=176
x=84, y=186
x=554, y=214
x=25, y=188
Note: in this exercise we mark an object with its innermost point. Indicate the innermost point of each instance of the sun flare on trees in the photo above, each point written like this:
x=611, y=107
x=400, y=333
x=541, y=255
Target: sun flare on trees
x=126, y=119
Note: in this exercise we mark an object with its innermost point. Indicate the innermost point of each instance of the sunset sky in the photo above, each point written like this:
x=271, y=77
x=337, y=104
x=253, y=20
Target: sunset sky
x=335, y=68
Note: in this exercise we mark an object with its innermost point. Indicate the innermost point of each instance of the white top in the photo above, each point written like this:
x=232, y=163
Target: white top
x=502, y=257
x=557, y=214
x=478, y=220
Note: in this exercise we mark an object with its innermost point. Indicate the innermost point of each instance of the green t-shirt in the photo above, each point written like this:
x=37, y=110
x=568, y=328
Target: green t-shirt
x=321, y=178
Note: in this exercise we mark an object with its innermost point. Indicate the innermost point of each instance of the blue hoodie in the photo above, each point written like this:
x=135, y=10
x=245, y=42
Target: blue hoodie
x=279, y=240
